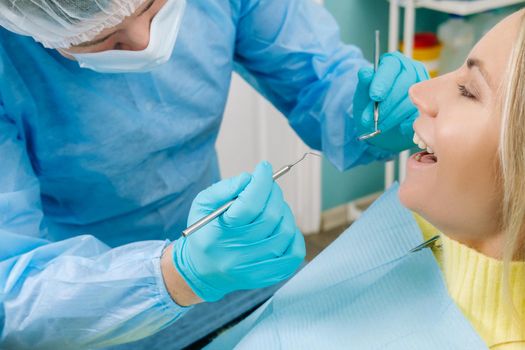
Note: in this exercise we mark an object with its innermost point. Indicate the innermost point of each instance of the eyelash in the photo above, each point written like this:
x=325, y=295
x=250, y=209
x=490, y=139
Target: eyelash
x=465, y=93
x=148, y=7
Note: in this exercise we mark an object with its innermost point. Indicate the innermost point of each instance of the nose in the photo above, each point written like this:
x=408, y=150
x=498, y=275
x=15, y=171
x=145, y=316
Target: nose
x=423, y=98
x=136, y=35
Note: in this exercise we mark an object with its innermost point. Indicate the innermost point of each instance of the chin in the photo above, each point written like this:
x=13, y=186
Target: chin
x=415, y=197
x=410, y=195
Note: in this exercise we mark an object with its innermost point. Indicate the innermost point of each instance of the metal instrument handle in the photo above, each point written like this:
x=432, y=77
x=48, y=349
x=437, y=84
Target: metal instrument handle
x=221, y=210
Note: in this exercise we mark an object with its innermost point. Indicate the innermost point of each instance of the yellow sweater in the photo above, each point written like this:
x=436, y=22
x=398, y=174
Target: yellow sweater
x=474, y=282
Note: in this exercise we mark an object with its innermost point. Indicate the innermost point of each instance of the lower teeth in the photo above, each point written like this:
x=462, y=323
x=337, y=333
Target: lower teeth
x=424, y=157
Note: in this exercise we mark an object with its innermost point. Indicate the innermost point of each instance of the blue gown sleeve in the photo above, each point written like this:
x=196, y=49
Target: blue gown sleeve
x=291, y=52
x=73, y=294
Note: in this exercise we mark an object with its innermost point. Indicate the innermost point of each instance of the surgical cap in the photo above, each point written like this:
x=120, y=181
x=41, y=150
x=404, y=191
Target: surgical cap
x=63, y=23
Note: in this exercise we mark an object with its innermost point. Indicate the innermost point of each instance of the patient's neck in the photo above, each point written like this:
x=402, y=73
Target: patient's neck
x=489, y=245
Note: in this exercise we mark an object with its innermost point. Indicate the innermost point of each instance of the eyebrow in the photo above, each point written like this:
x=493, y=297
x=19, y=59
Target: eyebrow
x=474, y=62
x=100, y=40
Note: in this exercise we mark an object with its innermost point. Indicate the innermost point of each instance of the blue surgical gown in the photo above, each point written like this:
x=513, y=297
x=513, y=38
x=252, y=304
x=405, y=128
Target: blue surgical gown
x=97, y=172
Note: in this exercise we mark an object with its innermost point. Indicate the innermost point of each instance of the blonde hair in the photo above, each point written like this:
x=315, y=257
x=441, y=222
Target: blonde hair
x=512, y=156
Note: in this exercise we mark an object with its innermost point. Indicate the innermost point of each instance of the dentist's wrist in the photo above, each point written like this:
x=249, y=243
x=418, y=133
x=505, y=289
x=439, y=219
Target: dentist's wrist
x=179, y=290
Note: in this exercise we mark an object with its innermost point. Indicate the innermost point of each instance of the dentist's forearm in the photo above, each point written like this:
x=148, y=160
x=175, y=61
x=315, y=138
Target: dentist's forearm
x=179, y=290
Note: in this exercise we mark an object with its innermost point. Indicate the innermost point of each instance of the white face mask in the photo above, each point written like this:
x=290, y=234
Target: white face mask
x=163, y=34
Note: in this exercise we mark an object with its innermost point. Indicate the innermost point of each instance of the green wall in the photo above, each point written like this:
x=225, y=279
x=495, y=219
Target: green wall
x=358, y=19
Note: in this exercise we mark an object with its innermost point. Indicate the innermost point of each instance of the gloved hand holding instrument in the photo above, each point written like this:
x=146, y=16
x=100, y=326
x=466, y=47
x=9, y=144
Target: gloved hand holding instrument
x=381, y=103
x=255, y=242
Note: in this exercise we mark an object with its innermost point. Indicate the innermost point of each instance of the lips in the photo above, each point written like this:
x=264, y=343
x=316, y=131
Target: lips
x=427, y=155
x=421, y=143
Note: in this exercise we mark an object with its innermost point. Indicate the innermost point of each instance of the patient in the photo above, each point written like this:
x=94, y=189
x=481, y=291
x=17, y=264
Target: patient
x=369, y=289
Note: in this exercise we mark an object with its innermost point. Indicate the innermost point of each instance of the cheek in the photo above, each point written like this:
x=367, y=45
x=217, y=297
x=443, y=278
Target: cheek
x=462, y=188
x=459, y=155
x=469, y=153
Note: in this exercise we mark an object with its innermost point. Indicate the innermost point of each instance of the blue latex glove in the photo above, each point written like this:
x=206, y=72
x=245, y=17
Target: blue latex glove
x=389, y=86
x=254, y=244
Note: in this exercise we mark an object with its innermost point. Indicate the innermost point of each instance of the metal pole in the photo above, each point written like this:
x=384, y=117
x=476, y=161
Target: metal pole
x=393, y=44
x=408, y=44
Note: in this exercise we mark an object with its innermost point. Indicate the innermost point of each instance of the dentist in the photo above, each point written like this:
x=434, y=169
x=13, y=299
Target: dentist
x=109, y=113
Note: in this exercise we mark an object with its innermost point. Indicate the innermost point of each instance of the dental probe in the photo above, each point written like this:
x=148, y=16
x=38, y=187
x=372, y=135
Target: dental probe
x=376, y=104
x=207, y=219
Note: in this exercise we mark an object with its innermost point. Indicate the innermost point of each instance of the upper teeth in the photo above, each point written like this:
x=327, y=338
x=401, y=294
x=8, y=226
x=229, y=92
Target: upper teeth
x=421, y=144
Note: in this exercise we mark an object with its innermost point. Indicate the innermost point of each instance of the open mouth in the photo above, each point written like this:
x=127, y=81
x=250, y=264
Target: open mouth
x=425, y=157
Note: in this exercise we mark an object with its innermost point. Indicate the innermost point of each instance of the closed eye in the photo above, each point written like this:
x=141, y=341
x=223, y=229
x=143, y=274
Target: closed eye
x=146, y=8
x=465, y=92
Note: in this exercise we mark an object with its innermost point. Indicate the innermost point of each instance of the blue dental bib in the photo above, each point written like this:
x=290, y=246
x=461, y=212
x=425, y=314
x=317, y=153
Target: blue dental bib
x=367, y=290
